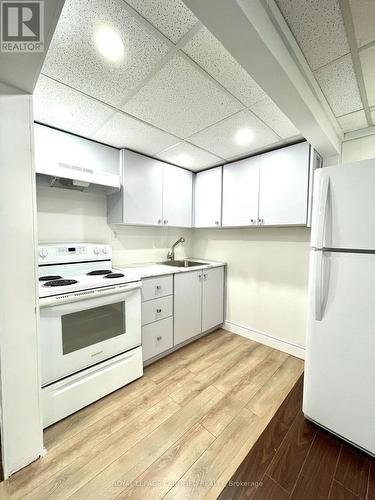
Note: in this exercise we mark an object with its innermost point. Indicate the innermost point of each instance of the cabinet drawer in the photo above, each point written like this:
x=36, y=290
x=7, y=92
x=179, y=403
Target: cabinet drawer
x=157, y=337
x=153, y=288
x=157, y=309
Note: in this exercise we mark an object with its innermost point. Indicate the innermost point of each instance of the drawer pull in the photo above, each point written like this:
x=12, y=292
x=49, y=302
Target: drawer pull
x=158, y=310
x=159, y=338
x=158, y=287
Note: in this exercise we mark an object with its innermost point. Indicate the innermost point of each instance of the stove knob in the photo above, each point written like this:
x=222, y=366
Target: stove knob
x=43, y=253
x=97, y=251
x=105, y=250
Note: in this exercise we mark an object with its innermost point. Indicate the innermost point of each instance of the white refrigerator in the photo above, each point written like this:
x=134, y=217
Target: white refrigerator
x=339, y=388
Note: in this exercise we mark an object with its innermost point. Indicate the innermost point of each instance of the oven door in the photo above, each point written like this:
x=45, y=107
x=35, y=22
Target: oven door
x=84, y=332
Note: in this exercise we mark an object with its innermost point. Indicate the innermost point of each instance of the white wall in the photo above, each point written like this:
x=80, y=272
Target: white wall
x=65, y=215
x=362, y=148
x=267, y=277
x=21, y=423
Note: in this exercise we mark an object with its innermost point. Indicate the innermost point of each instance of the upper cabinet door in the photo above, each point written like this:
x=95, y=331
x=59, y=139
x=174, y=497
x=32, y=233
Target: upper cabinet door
x=207, y=202
x=142, y=190
x=177, y=196
x=284, y=180
x=241, y=192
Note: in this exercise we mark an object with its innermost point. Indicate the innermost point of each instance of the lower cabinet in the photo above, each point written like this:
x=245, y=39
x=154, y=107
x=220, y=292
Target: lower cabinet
x=157, y=337
x=198, y=302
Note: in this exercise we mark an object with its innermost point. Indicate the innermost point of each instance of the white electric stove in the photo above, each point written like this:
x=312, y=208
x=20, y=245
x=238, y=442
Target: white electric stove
x=90, y=326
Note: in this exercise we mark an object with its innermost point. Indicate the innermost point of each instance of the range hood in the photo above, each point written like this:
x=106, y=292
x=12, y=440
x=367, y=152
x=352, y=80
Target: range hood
x=73, y=162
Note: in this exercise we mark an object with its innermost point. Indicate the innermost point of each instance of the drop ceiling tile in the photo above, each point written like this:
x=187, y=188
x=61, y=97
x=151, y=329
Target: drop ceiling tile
x=220, y=138
x=318, y=27
x=74, y=59
x=339, y=85
x=353, y=121
x=124, y=131
x=65, y=108
x=171, y=17
x=189, y=156
x=210, y=54
x=181, y=100
x=268, y=112
x=363, y=13
x=367, y=57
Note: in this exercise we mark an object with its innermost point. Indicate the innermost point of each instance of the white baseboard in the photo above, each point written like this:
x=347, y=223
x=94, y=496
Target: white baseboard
x=265, y=338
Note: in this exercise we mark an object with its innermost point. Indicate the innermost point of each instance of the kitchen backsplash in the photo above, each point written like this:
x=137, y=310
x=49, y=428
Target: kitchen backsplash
x=72, y=216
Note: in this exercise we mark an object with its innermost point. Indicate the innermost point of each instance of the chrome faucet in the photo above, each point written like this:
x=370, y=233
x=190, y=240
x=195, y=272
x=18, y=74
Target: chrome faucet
x=170, y=255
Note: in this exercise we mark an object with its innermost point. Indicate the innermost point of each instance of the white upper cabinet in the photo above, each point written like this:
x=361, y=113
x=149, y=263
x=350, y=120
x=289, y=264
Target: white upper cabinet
x=207, y=199
x=153, y=193
x=284, y=182
x=177, y=196
x=141, y=198
x=241, y=192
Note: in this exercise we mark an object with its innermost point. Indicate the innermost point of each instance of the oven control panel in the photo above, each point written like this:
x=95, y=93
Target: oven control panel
x=66, y=252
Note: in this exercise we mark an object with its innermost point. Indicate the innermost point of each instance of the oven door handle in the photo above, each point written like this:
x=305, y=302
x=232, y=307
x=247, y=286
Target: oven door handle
x=80, y=300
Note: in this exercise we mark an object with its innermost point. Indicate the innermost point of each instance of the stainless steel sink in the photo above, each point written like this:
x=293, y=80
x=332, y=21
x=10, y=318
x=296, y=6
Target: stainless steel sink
x=182, y=263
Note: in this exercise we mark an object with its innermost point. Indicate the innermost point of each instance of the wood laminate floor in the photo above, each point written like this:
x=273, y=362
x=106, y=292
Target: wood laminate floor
x=295, y=459
x=181, y=431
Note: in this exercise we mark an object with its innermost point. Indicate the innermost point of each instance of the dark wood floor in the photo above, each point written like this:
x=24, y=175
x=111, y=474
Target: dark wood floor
x=294, y=459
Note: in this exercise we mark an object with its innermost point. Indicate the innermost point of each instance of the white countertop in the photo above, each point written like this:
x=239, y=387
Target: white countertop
x=146, y=270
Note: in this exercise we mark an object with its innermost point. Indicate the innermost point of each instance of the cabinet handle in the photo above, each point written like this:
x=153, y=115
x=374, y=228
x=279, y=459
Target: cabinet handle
x=160, y=221
x=261, y=221
x=165, y=221
x=205, y=277
x=158, y=310
x=200, y=276
x=159, y=338
x=216, y=222
x=252, y=221
x=158, y=287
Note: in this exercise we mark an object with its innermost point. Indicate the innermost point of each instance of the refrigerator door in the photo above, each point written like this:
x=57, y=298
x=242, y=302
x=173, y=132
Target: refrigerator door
x=343, y=207
x=339, y=391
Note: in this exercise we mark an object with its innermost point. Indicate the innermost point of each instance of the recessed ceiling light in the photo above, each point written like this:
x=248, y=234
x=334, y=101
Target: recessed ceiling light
x=244, y=136
x=109, y=44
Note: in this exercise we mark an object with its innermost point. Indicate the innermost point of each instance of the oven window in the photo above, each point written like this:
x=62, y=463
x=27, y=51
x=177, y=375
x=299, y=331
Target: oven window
x=85, y=328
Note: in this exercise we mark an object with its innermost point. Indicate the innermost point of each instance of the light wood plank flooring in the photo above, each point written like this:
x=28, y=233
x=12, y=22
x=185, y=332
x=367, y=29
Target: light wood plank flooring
x=181, y=431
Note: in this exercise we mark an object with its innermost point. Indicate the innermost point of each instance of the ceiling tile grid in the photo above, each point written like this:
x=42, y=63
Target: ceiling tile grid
x=269, y=113
x=353, y=121
x=57, y=105
x=339, y=84
x=124, y=131
x=318, y=27
x=367, y=58
x=169, y=95
x=220, y=138
x=189, y=156
x=209, y=53
x=73, y=58
x=363, y=13
x=181, y=100
x=171, y=17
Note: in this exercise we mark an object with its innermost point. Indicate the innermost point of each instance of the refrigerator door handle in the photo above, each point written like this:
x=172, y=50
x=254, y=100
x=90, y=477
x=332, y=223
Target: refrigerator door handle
x=318, y=285
x=323, y=202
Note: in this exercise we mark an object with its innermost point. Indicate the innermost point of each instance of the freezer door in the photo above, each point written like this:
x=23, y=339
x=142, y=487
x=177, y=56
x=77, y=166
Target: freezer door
x=343, y=207
x=339, y=388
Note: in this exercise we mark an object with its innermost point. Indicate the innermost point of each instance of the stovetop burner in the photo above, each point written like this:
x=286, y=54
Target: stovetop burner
x=50, y=278
x=60, y=282
x=114, y=275
x=99, y=272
